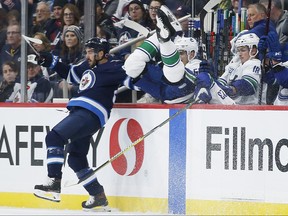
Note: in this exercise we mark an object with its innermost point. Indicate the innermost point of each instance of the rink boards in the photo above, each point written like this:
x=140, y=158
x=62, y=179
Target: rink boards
x=210, y=159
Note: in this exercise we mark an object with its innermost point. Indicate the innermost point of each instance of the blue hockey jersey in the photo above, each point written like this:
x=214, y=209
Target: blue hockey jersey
x=153, y=82
x=97, y=86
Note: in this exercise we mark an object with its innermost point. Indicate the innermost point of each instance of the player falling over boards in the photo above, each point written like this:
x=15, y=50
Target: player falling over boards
x=174, y=82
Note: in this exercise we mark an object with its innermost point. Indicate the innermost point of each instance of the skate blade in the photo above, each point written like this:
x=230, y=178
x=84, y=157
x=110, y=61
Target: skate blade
x=98, y=209
x=51, y=196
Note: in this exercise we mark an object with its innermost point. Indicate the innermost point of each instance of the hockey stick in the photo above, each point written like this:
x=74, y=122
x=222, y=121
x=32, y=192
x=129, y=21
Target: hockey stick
x=140, y=38
x=140, y=139
x=263, y=63
x=137, y=27
x=33, y=40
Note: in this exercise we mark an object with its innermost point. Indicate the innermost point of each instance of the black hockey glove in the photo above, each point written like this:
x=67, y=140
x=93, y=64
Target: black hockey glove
x=47, y=59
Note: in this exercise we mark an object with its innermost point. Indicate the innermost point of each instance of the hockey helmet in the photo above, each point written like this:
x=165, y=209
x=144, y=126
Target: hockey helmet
x=187, y=43
x=98, y=44
x=249, y=40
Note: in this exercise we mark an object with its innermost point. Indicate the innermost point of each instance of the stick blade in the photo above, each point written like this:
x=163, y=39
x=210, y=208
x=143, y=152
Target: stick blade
x=33, y=40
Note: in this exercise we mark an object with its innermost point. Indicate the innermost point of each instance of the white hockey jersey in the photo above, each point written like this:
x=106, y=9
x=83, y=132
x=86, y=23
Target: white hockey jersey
x=251, y=72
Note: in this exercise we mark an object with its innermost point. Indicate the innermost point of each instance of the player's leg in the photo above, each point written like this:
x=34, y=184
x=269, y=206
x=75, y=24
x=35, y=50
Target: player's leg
x=77, y=160
x=136, y=62
x=173, y=68
x=79, y=123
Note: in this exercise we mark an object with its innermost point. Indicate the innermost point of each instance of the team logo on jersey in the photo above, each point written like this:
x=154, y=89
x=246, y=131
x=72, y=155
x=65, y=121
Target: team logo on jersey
x=88, y=80
x=123, y=133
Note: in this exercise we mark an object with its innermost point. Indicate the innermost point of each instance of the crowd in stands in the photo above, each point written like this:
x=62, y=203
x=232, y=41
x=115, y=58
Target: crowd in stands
x=59, y=24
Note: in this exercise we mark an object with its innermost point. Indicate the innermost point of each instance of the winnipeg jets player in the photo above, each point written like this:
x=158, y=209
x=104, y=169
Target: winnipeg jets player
x=98, y=78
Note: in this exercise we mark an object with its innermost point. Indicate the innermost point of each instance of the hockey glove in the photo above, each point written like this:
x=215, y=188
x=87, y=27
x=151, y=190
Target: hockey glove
x=227, y=89
x=46, y=59
x=202, y=95
x=204, y=80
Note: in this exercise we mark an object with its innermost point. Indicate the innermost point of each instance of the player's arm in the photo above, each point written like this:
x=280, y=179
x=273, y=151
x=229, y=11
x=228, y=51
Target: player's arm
x=47, y=59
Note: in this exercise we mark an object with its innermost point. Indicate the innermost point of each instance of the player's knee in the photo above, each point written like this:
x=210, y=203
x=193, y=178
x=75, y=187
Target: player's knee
x=174, y=74
x=135, y=64
x=53, y=139
x=77, y=162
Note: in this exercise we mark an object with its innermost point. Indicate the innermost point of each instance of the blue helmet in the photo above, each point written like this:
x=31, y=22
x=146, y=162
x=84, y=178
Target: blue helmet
x=98, y=44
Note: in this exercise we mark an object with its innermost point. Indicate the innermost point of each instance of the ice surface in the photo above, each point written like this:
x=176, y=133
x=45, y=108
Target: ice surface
x=30, y=212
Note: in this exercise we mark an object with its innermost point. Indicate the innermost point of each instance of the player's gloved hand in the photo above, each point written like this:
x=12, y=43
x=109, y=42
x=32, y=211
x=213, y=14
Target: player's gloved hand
x=273, y=42
x=46, y=59
x=202, y=95
x=204, y=80
x=229, y=90
x=205, y=67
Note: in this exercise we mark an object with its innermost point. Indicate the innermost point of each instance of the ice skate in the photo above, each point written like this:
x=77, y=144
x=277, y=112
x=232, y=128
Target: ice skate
x=167, y=24
x=98, y=202
x=50, y=190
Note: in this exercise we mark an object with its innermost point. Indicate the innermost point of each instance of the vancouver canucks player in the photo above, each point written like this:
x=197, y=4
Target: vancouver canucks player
x=172, y=83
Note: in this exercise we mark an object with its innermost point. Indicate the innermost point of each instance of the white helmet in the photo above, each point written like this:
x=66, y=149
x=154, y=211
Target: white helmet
x=188, y=44
x=249, y=40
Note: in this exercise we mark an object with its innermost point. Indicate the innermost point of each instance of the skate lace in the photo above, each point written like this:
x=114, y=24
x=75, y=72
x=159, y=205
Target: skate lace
x=90, y=200
x=49, y=181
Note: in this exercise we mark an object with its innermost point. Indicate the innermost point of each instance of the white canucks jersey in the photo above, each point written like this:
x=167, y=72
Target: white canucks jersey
x=251, y=72
x=194, y=65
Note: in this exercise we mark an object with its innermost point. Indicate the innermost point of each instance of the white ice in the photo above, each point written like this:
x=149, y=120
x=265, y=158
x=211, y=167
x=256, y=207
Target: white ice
x=30, y=212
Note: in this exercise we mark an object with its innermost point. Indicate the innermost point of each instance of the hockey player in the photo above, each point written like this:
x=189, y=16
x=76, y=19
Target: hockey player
x=188, y=50
x=276, y=72
x=241, y=79
x=173, y=83
x=98, y=78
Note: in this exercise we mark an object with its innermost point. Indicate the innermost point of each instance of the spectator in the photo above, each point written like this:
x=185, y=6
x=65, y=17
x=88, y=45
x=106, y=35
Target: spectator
x=3, y=27
x=12, y=49
x=43, y=14
x=13, y=17
x=256, y=18
x=38, y=87
x=277, y=15
x=121, y=10
x=154, y=5
x=11, y=5
x=10, y=73
x=104, y=22
x=55, y=25
x=44, y=47
x=181, y=12
x=71, y=53
x=137, y=13
x=70, y=16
